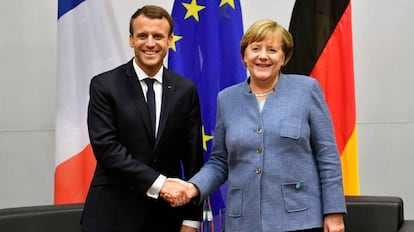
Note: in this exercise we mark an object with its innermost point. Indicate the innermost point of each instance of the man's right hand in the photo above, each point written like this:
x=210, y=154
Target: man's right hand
x=178, y=192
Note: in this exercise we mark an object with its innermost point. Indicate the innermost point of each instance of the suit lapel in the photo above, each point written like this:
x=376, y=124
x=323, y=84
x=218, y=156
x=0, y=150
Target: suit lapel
x=138, y=98
x=168, y=89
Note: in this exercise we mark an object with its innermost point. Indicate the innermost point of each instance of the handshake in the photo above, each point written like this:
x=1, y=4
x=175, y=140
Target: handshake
x=178, y=192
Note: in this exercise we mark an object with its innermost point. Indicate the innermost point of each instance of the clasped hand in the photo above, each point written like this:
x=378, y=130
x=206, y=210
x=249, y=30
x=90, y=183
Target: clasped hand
x=178, y=192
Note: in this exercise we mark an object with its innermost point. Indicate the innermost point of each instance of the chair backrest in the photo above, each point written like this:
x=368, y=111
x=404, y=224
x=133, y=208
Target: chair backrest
x=374, y=214
x=53, y=218
x=365, y=214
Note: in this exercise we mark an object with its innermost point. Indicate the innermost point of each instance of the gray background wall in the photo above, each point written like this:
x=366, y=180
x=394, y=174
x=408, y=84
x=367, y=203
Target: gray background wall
x=383, y=63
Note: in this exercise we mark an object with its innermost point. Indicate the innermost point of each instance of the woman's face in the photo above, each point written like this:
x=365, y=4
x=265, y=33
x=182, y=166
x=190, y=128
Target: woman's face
x=265, y=58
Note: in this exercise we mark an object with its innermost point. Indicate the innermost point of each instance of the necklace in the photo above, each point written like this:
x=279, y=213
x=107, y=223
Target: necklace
x=264, y=94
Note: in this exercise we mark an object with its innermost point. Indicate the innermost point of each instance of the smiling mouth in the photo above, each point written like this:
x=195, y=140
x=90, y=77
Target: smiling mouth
x=263, y=65
x=150, y=52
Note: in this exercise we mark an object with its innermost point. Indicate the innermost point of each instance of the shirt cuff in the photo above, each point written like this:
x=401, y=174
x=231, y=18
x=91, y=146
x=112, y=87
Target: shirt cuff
x=154, y=190
x=194, y=224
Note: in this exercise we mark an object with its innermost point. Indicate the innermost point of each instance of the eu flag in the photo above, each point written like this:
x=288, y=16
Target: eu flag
x=206, y=49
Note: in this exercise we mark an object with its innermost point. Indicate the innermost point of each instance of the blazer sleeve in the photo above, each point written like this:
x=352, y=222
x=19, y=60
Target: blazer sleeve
x=326, y=153
x=214, y=172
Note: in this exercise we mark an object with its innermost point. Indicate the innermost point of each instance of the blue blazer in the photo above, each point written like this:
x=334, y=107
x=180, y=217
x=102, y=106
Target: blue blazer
x=282, y=164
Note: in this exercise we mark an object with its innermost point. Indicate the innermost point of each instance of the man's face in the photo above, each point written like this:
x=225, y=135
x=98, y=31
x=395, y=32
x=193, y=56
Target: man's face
x=151, y=42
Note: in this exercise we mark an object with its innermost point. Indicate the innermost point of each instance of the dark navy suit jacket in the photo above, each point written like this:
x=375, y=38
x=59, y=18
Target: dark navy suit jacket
x=129, y=158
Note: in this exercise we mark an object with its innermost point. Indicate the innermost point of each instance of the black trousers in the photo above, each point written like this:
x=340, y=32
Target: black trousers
x=310, y=230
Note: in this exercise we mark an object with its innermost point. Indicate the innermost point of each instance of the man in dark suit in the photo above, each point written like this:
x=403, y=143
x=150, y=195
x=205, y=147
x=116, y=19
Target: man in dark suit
x=138, y=150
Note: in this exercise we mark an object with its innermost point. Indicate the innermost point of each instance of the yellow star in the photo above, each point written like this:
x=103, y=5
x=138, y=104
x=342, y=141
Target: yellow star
x=175, y=39
x=192, y=9
x=230, y=2
x=205, y=139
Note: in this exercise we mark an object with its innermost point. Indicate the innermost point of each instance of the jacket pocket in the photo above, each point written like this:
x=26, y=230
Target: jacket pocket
x=235, y=203
x=294, y=196
x=290, y=128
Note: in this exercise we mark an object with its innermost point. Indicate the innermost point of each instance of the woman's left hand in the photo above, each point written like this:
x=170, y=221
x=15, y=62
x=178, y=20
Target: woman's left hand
x=334, y=223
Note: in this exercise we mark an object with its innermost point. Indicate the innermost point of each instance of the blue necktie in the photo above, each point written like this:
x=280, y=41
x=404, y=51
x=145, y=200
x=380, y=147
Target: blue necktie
x=151, y=102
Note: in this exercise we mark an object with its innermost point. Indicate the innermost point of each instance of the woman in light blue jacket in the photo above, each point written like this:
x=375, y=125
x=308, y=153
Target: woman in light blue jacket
x=274, y=144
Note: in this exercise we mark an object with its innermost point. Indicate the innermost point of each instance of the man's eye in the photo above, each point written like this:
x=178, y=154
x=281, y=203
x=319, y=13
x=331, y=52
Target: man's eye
x=158, y=37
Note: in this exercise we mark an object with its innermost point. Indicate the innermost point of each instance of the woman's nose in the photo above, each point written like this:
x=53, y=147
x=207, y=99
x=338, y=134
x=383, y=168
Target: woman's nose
x=263, y=54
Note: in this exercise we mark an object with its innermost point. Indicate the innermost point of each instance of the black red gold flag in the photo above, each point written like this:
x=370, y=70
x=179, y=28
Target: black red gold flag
x=322, y=34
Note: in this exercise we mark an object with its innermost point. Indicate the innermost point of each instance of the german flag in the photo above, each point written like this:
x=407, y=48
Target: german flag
x=322, y=34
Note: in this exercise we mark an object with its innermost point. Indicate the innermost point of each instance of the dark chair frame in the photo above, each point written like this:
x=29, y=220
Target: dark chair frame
x=365, y=214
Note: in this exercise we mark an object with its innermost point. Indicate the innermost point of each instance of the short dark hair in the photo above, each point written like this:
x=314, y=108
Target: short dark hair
x=152, y=12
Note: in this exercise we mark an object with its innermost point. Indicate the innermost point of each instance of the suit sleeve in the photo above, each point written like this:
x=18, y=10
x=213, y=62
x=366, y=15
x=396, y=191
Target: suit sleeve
x=193, y=158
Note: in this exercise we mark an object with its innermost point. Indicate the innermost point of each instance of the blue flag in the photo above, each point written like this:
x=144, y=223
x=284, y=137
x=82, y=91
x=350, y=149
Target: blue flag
x=206, y=49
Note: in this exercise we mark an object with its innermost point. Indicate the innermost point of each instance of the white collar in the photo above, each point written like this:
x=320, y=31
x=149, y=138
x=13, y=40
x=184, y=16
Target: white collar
x=142, y=75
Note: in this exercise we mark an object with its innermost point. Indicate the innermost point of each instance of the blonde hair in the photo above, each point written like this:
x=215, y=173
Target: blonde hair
x=261, y=29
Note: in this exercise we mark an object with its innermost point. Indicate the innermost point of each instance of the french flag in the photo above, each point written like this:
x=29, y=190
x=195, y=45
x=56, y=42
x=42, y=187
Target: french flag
x=88, y=43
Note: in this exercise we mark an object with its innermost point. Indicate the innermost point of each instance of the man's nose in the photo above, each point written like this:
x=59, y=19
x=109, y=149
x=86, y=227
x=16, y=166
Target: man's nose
x=150, y=41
